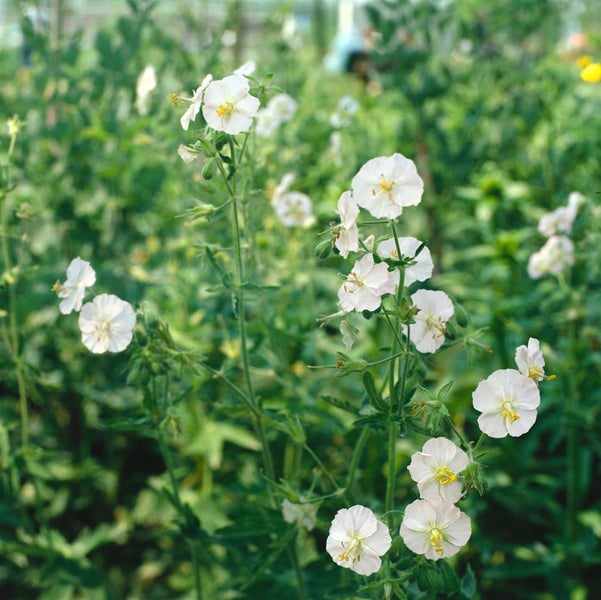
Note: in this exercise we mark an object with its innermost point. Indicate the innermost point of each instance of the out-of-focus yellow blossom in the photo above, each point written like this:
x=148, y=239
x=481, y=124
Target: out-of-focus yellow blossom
x=584, y=61
x=591, y=73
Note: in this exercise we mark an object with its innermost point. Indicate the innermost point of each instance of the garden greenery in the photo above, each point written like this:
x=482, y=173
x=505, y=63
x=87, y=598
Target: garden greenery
x=268, y=332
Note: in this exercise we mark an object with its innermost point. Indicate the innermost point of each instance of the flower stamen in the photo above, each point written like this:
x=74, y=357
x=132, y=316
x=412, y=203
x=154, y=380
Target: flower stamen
x=445, y=476
x=225, y=108
x=436, y=540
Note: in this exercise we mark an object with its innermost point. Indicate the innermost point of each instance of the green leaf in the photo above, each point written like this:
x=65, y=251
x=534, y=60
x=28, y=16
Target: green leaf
x=468, y=583
x=372, y=393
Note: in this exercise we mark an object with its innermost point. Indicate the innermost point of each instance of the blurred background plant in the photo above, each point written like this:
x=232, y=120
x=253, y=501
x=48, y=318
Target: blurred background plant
x=487, y=97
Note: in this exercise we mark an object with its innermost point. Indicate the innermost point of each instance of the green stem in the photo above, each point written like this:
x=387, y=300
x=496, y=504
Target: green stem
x=572, y=448
x=390, y=483
x=393, y=377
x=179, y=505
x=14, y=348
x=357, y=453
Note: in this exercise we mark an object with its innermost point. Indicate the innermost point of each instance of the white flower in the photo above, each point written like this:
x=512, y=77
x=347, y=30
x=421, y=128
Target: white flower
x=305, y=515
x=385, y=185
x=348, y=334
x=228, y=105
x=146, y=82
x=282, y=187
x=561, y=219
x=280, y=109
x=357, y=539
x=347, y=209
x=530, y=360
x=294, y=209
x=195, y=103
x=80, y=275
x=508, y=401
x=365, y=285
x=186, y=154
x=107, y=323
x=347, y=108
x=435, y=528
x=248, y=68
x=423, y=265
x=347, y=240
x=554, y=257
x=434, y=310
x=346, y=237
x=435, y=470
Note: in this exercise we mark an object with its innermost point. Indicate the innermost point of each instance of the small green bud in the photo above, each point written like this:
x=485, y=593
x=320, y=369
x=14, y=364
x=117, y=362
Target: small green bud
x=323, y=249
x=140, y=335
x=461, y=316
x=208, y=170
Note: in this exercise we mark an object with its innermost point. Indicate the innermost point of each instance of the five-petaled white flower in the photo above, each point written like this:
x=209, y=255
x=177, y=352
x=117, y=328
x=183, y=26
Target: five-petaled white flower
x=195, y=102
x=386, y=184
x=422, y=266
x=554, y=257
x=530, y=360
x=508, y=401
x=435, y=469
x=434, y=309
x=365, y=285
x=107, y=323
x=358, y=539
x=228, y=105
x=435, y=528
x=80, y=275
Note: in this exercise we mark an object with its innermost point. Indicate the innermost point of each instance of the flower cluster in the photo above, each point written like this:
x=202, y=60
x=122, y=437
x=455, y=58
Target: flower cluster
x=557, y=254
x=433, y=525
x=384, y=186
x=509, y=398
x=107, y=322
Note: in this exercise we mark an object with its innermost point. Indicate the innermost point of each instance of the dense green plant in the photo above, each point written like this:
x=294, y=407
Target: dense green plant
x=167, y=470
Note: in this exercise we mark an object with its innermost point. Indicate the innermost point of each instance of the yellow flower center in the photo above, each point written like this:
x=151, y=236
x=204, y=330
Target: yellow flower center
x=508, y=411
x=385, y=186
x=535, y=373
x=445, y=476
x=352, y=553
x=225, y=108
x=436, y=540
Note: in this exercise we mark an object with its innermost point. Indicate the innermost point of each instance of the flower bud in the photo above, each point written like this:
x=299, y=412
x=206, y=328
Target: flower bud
x=323, y=249
x=208, y=170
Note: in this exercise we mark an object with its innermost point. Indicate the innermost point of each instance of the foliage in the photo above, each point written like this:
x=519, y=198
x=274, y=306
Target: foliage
x=161, y=471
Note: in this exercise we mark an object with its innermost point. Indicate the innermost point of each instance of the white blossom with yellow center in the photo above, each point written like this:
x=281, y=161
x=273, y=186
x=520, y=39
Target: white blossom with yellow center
x=107, y=324
x=435, y=469
x=228, y=105
x=434, y=309
x=386, y=184
x=357, y=540
x=435, y=528
x=508, y=401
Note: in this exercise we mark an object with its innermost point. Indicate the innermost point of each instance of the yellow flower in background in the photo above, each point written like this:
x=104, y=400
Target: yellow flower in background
x=584, y=60
x=591, y=73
